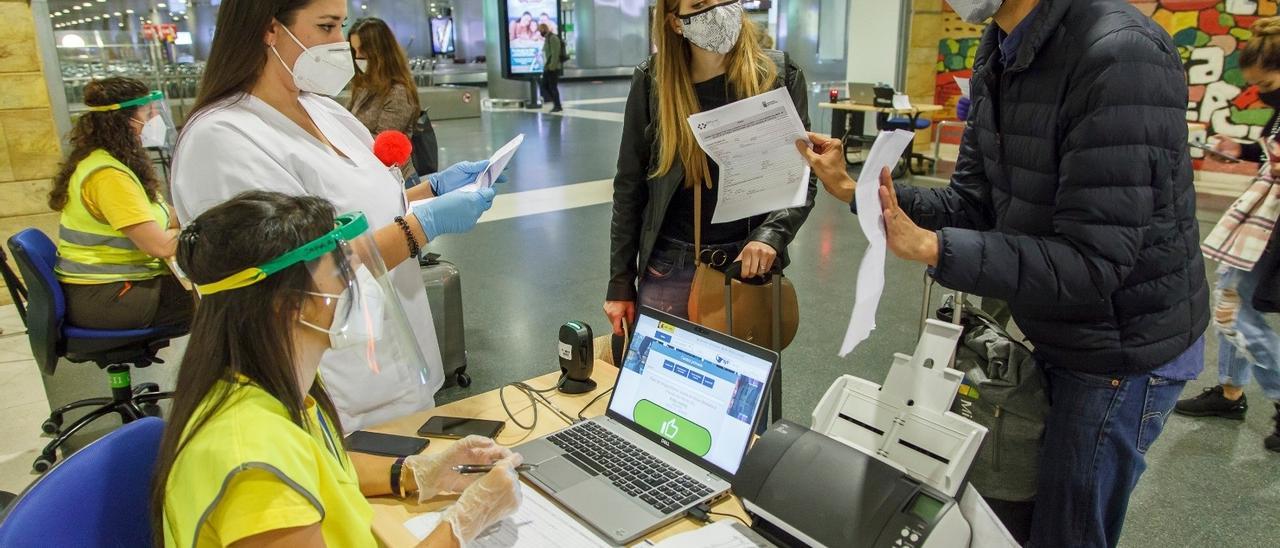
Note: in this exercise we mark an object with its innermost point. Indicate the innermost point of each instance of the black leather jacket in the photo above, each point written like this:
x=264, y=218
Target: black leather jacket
x=640, y=202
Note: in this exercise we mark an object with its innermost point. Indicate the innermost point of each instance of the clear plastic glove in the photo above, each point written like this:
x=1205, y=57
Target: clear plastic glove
x=459, y=175
x=434, y=473
x=453, y=213
x=489, y=500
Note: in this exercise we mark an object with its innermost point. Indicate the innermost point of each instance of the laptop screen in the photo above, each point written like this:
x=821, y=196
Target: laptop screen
x=696, y=393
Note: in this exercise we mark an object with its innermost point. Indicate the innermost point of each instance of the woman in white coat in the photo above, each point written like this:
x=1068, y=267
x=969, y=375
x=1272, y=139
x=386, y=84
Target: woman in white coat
x=262, y=121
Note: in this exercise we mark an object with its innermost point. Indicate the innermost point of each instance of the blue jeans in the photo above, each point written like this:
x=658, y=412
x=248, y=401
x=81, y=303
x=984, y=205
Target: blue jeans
x=1247, y=346
x=668, y=277
x=1095, y=443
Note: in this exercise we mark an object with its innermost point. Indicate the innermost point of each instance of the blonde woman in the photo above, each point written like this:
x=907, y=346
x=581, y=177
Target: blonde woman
x=709, y=55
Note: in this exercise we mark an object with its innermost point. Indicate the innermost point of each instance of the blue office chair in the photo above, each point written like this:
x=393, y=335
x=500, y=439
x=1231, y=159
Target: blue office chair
x=98, y=497
x=916, y=163
x=43, y=308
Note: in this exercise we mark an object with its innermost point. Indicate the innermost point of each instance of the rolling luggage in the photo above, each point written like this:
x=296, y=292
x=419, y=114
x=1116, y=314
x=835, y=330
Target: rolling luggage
x=444, y=293
x=777, y=340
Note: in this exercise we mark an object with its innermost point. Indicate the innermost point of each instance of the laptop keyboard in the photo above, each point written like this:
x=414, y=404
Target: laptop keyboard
x=634, y=471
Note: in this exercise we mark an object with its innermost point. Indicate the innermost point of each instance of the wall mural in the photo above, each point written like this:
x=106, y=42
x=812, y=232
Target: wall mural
x=1209, y=35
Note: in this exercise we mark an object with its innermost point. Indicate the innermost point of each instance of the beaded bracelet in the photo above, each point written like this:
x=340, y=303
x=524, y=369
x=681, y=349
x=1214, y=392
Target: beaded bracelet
x=414, y=247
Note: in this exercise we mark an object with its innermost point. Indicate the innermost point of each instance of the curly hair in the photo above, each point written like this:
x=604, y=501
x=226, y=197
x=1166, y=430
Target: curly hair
x=111, y=131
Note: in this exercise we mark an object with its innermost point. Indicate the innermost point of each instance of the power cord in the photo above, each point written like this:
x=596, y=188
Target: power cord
x=703, y=513
x=536, y=398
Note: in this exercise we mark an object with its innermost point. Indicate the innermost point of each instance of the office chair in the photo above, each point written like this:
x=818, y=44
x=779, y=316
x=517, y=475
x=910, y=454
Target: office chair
x=915, y=162
x=43, y=307
x=98, y=497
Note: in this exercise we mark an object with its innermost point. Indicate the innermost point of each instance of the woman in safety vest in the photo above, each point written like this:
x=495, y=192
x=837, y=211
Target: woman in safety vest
x=116, y=231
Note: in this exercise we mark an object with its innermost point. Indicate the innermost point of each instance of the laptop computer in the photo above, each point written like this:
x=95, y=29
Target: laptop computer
x=681, y=415
x=863, y=94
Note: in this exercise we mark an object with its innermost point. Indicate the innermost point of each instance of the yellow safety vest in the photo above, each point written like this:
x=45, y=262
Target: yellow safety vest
x=89, y=250
x=252, y=431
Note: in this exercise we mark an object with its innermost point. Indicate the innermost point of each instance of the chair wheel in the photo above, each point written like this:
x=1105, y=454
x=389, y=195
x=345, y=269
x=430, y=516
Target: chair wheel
x=151, y=410
x=51, y=425
x=464, y=380
x=44, y=463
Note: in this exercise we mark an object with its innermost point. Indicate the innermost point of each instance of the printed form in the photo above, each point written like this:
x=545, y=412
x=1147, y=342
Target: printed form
x=753, y=142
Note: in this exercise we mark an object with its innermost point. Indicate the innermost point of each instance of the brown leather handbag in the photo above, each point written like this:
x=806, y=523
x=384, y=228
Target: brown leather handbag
x=765, y=311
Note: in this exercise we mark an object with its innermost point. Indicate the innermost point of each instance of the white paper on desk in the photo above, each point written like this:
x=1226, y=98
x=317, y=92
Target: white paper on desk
x=497, y=163
x=753, y=142
x=726, y=533
x=964, y=86
x=902, y=101
x=538, y=523
x=885, y=153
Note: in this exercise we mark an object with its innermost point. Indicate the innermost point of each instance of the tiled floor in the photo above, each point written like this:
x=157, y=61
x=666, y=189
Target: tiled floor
x=540, y=258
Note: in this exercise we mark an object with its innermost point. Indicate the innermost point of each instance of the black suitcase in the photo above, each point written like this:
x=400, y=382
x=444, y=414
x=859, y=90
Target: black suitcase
x=444, y=293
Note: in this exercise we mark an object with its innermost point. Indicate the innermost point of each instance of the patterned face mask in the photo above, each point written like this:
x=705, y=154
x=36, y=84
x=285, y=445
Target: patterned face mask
x=714, y=29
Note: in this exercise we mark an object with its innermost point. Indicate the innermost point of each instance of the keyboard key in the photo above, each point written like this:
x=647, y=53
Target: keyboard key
x=650, y=500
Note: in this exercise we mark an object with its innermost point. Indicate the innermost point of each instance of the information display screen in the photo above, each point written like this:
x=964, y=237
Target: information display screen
x=442, y=35
x=926, y=507
x=522, y=43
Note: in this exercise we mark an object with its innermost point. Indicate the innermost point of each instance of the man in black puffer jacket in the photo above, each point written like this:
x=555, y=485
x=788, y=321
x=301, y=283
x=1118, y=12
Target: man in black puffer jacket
x=1073, y=201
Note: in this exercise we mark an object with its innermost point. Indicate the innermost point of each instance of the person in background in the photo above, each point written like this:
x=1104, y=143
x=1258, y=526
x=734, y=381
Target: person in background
x=552, y=67
x=1247, y=345
x=384, y=95
x=116, y=231
x=253, y=453
x=708, y=56
x=1073, y=201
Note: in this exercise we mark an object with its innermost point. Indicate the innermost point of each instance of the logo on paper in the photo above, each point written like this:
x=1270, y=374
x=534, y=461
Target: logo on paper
x=702, y=126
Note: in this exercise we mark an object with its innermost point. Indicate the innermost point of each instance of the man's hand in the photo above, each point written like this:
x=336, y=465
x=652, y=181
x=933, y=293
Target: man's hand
x=827, y=160
x=906, y=240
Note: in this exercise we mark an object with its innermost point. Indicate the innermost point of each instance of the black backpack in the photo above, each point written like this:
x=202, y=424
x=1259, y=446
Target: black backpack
x=426, y=149
x=564, y=52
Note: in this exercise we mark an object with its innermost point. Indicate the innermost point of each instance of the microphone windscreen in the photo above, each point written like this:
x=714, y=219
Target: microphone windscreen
x=392, y=148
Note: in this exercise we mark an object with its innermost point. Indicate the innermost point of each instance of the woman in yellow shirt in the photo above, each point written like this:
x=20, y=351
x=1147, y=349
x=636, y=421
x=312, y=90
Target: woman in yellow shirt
x=116, y=230
x=253, y=454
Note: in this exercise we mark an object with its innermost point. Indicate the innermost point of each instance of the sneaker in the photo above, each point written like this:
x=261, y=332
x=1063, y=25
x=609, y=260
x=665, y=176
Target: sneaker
x=1272, y=443
x=1211, y=403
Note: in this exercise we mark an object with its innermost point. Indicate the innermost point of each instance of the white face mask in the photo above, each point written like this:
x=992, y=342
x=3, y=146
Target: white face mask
x=324, y=69
x=365, y=322
x=362, y=64
x=715, y=29
x=975, y=11
x=155, y=133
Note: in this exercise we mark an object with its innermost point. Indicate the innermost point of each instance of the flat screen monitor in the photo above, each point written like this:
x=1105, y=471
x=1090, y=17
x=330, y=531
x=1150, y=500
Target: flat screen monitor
x=442, y=35
x=757, y=5
x=521, y=42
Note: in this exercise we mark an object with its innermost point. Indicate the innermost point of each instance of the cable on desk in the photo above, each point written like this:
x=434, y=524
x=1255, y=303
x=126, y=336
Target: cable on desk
x=593, y=401
x=626, y=344
x=536, y=398
x=721, y=514
x=702, y=513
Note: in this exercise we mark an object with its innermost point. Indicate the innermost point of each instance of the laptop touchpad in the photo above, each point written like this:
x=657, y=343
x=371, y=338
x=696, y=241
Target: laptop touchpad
x=559, y=474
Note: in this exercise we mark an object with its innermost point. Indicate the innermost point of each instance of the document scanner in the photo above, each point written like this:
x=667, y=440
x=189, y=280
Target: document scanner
x=881, y=466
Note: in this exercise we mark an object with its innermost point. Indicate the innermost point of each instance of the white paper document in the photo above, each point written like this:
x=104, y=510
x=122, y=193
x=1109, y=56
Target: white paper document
x=964, y=86
x=538, y=523
x=902, y=102
x=497, y=163
x=885, y=153
x=753, y=142
x=727, y=533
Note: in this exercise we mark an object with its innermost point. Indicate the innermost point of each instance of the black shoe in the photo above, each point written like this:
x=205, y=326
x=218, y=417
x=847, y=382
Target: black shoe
x=1211, y=403
x=1272, y=443
x=557, y=109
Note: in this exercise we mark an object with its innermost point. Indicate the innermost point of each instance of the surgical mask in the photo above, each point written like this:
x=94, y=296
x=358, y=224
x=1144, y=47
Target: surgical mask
x=362, y=64
x=155, y=133
x=1271, y=98
x=975, y=11
x=324, y=69
x=715, y=29
x=364, y=321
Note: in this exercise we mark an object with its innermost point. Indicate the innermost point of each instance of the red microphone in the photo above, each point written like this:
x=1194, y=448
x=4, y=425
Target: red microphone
x=393, y=148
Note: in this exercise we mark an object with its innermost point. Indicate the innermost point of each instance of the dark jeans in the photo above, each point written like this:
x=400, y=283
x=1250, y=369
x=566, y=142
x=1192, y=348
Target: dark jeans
x=551, y=87
x=667, y=278
x=158, y=302
x=1095, y=443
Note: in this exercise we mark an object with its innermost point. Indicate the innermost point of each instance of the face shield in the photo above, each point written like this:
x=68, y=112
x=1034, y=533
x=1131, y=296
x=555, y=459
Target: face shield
x=348, y=276
x=152, y=116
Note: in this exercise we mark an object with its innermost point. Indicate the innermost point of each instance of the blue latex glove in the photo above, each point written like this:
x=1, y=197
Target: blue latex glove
x=459, y=175
x=962, y=109
x=453, y=213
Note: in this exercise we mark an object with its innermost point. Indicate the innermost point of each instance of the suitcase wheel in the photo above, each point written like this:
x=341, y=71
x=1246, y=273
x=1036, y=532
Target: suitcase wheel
x=463, y=379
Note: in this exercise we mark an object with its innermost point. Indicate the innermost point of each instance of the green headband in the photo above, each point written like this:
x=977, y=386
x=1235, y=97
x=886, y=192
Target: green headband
x=148, y=98
x=348, y=227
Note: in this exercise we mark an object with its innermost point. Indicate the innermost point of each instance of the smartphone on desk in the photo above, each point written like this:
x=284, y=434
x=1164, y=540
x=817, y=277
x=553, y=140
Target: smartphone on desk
x=457, y=427
x=385, y=445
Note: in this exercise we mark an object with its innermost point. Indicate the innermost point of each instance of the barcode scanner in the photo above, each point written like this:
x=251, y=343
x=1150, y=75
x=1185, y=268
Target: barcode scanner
x=577, y=358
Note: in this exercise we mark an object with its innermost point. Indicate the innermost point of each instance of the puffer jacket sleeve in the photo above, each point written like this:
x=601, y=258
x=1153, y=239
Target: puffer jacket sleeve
x=630, y=194
x=1123, y=134
x=780, y=227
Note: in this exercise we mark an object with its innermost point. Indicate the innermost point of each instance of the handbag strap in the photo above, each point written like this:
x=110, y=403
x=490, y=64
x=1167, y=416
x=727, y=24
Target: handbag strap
x=697, y=225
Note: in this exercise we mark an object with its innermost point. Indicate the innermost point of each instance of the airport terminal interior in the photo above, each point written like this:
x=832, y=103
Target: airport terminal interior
x=541, y=256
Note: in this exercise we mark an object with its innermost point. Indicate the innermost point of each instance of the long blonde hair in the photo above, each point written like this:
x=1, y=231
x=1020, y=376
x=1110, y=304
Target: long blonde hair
x=749, y=71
